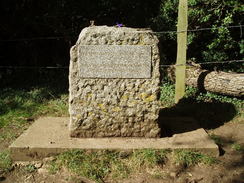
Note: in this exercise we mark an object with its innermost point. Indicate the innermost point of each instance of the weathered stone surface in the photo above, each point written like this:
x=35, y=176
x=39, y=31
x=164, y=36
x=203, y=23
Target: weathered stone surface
x=34, y=143
x=113, y=61
x=114, y=107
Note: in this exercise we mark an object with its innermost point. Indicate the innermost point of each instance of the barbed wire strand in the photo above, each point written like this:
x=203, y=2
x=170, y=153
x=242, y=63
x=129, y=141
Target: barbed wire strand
x=148, y=31
x=36, y=38
x=66, y=67
x=205, y=63
x=198, y=29
x=31, y=67
x=240, y=31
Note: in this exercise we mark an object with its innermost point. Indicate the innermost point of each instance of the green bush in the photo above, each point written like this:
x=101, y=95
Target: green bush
x=218, y=44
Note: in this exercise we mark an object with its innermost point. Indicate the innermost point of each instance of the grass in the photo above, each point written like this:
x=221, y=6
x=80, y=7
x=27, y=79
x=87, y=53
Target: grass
x=102, y=165
x=108, y=164
x=30, y=168
x=5, y=162
x=19, y=107
x=237, y=147
x=189, y=158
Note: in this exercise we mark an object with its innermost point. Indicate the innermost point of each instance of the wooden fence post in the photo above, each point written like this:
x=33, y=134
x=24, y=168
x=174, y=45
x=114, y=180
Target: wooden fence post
x=180, y=70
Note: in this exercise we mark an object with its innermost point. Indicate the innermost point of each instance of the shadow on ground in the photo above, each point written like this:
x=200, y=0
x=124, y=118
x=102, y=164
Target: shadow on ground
x=190, y=114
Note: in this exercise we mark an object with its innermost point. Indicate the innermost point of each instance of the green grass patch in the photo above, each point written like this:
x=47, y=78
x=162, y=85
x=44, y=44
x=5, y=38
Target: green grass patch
x=100, y=165
x=237, y=147
x=18, y=107
x=189, y=158
x=30, y=168
x=106, y=165
x=148, y=158
x=5, y=162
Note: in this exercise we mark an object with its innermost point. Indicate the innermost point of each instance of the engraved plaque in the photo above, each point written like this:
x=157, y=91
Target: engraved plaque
x=114, y=61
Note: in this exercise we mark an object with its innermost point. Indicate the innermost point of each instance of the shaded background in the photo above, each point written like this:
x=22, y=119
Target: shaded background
x=40, y=33
x=32, y=20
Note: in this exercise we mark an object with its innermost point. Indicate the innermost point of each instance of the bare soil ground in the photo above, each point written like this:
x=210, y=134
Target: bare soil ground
x=229, y=169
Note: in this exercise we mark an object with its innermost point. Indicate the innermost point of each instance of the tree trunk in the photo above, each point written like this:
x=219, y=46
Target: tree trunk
x=214, y=81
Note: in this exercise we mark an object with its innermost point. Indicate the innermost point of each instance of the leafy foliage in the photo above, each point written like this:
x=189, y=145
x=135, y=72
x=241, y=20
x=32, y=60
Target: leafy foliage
x=218, y=44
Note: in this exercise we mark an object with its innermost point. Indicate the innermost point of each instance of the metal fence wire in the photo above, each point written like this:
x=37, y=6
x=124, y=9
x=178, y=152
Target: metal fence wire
x=156, y=33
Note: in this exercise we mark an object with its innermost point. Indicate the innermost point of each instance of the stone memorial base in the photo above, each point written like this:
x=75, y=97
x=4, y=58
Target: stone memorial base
x=49, y=136
x=114, y=83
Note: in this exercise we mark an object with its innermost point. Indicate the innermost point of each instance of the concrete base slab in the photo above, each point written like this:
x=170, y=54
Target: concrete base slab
x=49, y=136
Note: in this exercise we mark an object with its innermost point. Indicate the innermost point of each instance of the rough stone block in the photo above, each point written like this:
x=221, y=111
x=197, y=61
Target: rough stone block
x=114, y=83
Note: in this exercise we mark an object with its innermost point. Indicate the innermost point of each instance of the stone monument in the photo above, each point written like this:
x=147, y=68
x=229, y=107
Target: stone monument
x=114, y=83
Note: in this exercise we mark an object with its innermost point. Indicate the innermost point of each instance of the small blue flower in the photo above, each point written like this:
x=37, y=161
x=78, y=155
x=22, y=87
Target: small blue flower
x=118, y=24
